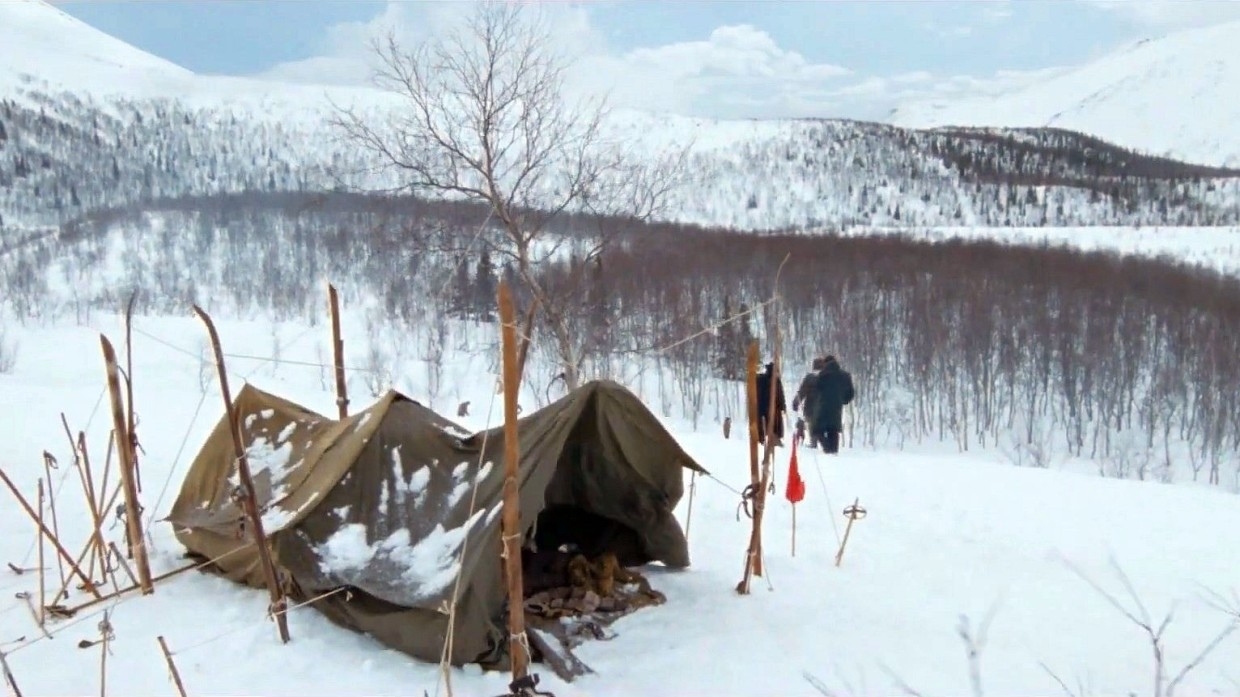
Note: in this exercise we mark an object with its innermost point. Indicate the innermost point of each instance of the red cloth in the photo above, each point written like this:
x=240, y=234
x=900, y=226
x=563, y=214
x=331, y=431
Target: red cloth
x=795, y=490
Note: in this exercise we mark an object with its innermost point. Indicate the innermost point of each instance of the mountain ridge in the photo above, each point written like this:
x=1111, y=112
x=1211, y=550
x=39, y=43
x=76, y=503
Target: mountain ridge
x=1176, y=95
x=69, y=148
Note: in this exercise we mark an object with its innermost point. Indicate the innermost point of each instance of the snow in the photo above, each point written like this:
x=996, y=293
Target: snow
x=947, y=534
x=430, y=564
x=1176, y=95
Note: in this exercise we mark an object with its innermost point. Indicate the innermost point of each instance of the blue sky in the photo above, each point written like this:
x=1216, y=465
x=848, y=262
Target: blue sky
x=853, y=58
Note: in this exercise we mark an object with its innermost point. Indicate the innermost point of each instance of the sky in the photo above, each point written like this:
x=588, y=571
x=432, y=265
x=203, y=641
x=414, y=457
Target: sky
x=724, y=59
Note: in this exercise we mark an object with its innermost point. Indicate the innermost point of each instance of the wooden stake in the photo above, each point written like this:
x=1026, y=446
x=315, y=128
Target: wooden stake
x=49, y=462
x=115, y=594
x=64, y=590
x=9, y=678
x=342, y=397
x=518, y=646
x=90, y=586
x=42, y=563
x=852, y=513
x=124, y=439
x=82, y=461
x=249, y=498
x=105, y=634
x=753, y=560
x=172, y=667
x=120, y=559
x=753, y=563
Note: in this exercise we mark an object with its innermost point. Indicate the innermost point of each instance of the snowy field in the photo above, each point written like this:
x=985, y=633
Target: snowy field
x=946, y=536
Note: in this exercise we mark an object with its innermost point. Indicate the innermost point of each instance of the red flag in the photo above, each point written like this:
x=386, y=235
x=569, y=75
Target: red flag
x=795, y=490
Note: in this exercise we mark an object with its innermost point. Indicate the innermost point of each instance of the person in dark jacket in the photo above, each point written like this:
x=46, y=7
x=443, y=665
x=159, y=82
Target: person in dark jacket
x=835, y=390
x=764, y=404
x=804, y=401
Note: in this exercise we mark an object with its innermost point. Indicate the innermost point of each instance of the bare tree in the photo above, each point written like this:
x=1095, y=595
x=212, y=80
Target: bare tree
x=487, y=120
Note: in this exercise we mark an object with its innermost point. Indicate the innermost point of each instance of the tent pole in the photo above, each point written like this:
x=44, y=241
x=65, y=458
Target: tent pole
x=518, y=646
x=249, y=501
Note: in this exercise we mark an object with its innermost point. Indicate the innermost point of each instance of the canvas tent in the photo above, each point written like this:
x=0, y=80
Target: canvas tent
x=387, y=501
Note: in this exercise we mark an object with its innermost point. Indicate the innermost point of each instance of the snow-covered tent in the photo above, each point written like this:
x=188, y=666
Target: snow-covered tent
x=392, y=502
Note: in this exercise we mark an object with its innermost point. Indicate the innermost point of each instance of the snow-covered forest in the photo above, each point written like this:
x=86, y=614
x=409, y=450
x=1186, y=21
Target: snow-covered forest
x=1044, y=353
x=64, y=155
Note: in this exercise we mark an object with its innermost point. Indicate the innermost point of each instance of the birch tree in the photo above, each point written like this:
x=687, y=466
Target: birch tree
x=486, y=118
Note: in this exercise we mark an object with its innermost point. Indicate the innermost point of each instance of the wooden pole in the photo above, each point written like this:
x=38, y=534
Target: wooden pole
x=753, y=561
x=751, y=392
x=64, y=590
x=172, y=667
x=342, y=396
x=42, y=580
x=794, y=529
x=250, y=500
x=133, y=515
x=49, y=462
x=131, y=423
x=853, y=513
x=518, y=646
x=90, y=586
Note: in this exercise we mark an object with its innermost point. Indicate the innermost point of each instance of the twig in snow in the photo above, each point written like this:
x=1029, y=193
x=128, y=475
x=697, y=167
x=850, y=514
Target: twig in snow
x=1080, y=691
x=9, y=678
x=1140, y=616
x=172, y=666
x=974, y=645
x=899, y=681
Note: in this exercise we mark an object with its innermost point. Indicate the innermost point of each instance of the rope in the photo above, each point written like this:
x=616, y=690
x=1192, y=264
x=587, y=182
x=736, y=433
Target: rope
x=176, y=460
x=248, y=357
x=118, y=601
x=830, y=506
x=251, y=625
x=450, y=635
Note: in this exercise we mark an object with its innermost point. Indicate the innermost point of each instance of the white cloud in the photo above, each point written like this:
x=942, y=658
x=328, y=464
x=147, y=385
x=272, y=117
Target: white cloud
x=1174, y=13
x=737, y=71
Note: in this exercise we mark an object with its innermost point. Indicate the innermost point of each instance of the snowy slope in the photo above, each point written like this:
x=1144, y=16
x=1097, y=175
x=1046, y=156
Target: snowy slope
x=47, y=49
x=43, y=43
x=946, y=535
x=1178, y=95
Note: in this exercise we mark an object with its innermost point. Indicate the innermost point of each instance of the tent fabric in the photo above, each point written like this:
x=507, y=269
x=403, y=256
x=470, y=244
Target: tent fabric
x=393, y=501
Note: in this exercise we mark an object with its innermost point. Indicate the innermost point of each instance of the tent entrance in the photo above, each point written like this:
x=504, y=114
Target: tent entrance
x=589, y=534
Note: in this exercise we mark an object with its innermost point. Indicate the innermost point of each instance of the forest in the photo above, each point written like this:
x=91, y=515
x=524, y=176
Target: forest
x=1043, y=353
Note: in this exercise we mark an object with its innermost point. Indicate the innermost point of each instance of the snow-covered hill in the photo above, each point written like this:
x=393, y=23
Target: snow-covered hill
x=1178, y=95
x=88, y=122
